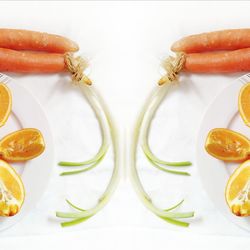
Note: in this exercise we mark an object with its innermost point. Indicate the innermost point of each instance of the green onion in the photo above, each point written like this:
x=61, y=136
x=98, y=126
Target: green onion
x=74, y=206
x=141, y=130
x=84, y=169
x=165, y=169
x=109, y=133
x=102, y=151
x=175, y=206
x=175, y=222
x=93, y=162
x=74, y=222
x=150, y=109
x=154, y=159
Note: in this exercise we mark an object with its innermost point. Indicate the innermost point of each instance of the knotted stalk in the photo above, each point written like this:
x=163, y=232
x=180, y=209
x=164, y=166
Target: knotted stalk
x=172, y=65
x=76, y=67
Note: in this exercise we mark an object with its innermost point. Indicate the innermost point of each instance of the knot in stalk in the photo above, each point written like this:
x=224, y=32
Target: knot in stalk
x=173, y=66
x=76, y=66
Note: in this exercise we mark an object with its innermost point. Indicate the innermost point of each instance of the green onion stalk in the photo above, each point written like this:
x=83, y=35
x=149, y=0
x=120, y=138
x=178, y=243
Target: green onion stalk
x=76, y=67
x=141, y=136
x=165, y=214
x=109, y=135
x=87, y=165
x=148, y=114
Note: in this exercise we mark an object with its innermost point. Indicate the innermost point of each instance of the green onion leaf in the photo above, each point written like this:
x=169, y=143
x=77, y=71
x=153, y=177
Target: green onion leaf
x=180, y=215
x=141, y=132
x=167, y=170
x=153, y=158
x=175, y=222
x=84, y=169
x=175, y=206
x=102, y=151
x=74, y=222
x=108, y=133
x=74, y=206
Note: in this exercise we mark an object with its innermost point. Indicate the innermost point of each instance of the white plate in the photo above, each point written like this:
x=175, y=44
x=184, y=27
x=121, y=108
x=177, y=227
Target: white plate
x=221, y=113
x=27, y=113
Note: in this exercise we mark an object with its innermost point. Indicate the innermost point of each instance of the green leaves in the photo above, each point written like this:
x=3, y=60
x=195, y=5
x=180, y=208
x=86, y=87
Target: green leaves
x=164, y=168
x=89, y=164
x=108, y=135
x=146, y=117
x=175, y=222
x=158, y=163
x=86, y=168
x=141, y=136
x=73, y=215
x=74, y=222
x=174, y=207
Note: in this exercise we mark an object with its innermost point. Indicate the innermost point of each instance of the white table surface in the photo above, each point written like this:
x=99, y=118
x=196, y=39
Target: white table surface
x=124, y=42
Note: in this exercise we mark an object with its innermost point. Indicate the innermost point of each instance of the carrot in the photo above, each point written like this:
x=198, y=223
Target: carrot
x=218, y=40
x=31, y=62
x=218, y=62
x=32, y=40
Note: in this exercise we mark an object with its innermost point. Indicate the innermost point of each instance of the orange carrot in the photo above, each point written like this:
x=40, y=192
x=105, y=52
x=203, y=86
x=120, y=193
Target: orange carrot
x=218, y=40
x=218, y=62
x=31, y=62
x=32, y=40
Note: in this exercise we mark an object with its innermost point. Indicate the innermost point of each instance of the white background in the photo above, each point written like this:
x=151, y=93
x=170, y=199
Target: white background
x=125, y=42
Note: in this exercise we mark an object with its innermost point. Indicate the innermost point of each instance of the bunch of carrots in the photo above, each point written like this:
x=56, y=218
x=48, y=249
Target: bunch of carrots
x=26, y=51
x=224, y=51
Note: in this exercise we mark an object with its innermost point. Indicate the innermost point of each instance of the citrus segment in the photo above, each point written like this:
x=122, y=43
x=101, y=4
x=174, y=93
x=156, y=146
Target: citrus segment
x=244, y=103
x=227, y=145
x=5, y=103
x=238, y=190
x=11, y=190
x=22, y=145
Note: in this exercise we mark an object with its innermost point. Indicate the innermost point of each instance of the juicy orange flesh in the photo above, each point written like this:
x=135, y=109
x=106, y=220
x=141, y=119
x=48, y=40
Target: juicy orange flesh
x=5, y=103
x=23, y=144
x=244, y=103
x=10, y=183
x=239, y=183
x=11, y=190
x=227, y=144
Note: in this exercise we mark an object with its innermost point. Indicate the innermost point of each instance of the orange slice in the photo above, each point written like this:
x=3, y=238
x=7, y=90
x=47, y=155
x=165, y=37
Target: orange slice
x=238, y=190
x=11, y=190
x=22, y=145
x=5, y=103
x=244, y=103
x=227, y=145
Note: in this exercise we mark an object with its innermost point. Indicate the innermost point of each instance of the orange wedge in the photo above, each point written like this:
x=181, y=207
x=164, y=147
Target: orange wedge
x=244, y=103
x=227, y=145
x=238, y=190
x=5, y=103
x=11, y=190
x=22, y=145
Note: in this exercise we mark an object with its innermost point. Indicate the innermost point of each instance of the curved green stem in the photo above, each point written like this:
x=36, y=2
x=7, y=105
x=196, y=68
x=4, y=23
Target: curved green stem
x=147, y=151
x=168, y=216
x=175, y=222
x=175, y=206
x=105, y=142
x=96, y=101
x=74, y=222
x=149, y=113
x=166, y=169
x=102, y=151
x=74, y=206
x=84, y=169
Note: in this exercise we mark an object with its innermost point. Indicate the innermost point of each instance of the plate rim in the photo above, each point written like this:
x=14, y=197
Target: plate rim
x=11, y=82
x=243, y=80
